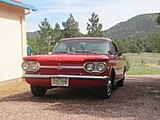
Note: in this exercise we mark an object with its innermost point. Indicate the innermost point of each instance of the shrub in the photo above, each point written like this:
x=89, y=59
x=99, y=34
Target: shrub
x=127, y=63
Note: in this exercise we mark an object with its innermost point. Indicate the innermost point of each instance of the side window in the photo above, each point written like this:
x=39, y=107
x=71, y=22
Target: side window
x=114, y=49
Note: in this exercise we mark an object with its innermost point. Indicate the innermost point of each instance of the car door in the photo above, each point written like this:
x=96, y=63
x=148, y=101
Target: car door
x=117, y=60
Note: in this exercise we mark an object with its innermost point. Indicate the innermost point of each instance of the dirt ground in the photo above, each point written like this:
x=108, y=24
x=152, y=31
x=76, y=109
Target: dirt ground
x=11, y=87
x=139, y=99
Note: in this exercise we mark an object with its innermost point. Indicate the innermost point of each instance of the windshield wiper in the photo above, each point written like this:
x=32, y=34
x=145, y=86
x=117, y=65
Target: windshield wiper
x=85, y=51
x=77, y=51
x=60, y=52
x=82, y=51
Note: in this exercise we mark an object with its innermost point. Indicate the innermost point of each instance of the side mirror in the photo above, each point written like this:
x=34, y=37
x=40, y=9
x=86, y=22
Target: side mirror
x=119, y=53
x=109, y=52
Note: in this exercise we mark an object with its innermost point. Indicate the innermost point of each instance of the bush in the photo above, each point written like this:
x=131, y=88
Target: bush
x=127, y=63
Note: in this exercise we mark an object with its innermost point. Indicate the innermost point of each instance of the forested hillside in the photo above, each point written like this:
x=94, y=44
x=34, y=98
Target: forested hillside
x=138, y=26
x=33, y=35
x=138, y=34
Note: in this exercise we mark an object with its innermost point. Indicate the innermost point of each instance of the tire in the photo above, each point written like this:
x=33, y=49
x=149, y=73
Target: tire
x=105, y=92
x=38, y=91
x=120, y=83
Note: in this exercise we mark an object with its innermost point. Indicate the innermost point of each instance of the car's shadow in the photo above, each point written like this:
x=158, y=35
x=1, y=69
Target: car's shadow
x=58, y=94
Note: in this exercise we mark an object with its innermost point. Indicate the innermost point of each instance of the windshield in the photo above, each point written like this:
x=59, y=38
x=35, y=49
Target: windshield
x=82, y=46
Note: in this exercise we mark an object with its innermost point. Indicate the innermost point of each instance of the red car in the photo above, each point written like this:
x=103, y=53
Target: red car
x=93, y=62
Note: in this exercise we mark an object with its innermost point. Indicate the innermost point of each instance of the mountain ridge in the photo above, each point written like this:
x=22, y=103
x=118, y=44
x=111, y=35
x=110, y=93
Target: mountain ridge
x=139, y=27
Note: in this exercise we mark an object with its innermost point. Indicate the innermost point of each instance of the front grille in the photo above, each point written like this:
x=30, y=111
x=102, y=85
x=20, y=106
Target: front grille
x=52, y=71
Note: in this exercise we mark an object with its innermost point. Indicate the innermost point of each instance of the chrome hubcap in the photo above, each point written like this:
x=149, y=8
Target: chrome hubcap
x=109, y=88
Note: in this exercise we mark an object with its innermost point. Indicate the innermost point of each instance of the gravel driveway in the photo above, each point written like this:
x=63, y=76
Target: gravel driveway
x=139, y=99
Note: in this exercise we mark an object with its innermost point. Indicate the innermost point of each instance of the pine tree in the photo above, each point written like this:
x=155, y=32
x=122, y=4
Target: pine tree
x=45, y=36
x=158, y=19
x=71, y=27
x=94, y=28
x=45, y=29
x=57, y=33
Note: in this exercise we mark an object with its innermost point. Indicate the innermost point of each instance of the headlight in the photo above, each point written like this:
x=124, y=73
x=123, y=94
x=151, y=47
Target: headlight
x=25, y=66
x=35, y=66
x=89, y=67
x=31, y=66
x=101, y=67
x=95, y=67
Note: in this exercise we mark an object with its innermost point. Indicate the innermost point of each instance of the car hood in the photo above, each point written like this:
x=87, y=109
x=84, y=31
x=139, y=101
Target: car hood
x=67, y=57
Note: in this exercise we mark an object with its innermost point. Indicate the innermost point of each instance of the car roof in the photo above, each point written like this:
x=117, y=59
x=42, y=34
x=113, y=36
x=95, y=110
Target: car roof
x=87, y=38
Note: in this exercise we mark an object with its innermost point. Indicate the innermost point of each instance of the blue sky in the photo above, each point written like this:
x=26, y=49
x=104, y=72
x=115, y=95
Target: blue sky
x=110, y=12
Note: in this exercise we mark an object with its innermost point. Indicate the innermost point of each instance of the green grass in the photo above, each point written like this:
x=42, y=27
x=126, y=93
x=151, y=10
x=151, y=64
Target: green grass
x=151, y=63
x=143, y=70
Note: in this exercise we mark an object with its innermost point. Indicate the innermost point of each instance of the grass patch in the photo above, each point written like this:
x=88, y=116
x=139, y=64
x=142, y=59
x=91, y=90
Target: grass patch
x=143, y=70
x=150, y=63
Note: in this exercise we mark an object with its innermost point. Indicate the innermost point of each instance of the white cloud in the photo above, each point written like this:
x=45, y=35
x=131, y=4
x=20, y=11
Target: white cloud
x=110, y=12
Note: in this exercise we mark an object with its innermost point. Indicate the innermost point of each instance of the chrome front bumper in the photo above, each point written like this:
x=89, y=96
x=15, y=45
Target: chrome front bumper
x=64, y=76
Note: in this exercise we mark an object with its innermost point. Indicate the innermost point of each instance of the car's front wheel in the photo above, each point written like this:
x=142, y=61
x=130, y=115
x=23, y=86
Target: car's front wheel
x=105, y=92
x=38, y=91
